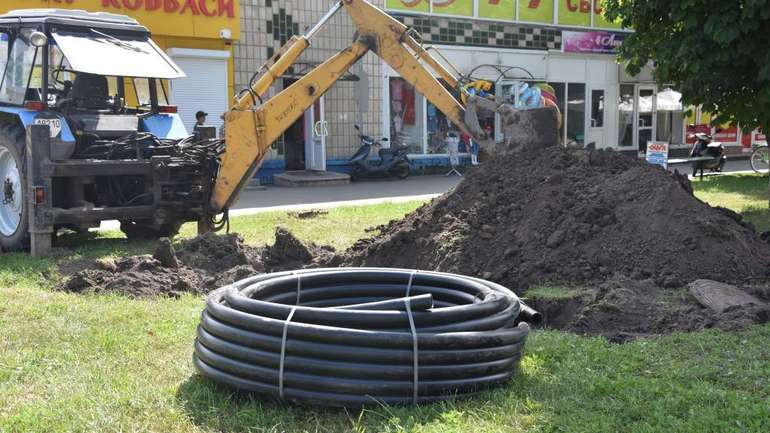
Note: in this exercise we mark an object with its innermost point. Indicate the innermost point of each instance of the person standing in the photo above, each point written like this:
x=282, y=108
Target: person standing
x=200, y=120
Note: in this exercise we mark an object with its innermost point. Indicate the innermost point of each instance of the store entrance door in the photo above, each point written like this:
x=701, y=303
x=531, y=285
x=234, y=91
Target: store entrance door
x=596, y=119
x=645, y=117
x=316, y=131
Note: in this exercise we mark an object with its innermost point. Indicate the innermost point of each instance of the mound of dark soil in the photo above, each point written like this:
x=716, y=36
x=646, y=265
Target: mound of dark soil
x=622, y=309
x=198, y=265
x=629, y=231
x=574, y=217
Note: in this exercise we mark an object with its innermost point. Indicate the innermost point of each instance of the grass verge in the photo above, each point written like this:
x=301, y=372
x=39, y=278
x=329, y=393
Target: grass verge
x=73, y=363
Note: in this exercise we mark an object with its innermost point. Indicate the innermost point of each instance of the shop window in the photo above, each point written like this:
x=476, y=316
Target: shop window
x=597, y=108
x=576, y=116
x=670, y=116
x=406, y=116
x=626, y=115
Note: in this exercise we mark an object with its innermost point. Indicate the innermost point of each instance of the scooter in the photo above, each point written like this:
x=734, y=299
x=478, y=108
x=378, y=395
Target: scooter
x=393, y=162
x=704, y=146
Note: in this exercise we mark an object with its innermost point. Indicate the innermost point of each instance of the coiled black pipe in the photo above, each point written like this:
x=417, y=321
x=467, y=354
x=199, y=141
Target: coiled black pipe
x=353, y=335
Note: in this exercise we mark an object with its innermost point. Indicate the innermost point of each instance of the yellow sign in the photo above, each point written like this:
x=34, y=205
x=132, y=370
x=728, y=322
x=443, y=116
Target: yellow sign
x=536, y=11
x=453, y=7
x=575, y=12
x=182, y=18
x=497, y=9
x=572, y=13
x=408, y=5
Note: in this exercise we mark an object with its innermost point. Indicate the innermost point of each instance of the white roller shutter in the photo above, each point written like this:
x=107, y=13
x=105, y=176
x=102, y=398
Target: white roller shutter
x=204, y=88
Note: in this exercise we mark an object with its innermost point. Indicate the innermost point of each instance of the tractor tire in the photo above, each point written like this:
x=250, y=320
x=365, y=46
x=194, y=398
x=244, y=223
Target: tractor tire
x=14, y=219
x=145, y=230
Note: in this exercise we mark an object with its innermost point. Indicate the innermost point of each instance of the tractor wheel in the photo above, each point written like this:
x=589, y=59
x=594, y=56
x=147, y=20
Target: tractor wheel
x=14, y=233
x=145, y=230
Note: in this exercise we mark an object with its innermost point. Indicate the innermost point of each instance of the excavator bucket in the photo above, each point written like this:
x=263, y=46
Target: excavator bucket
x=538, y=127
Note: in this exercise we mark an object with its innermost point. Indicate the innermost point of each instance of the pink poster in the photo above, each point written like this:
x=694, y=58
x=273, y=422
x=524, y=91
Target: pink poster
x=590, y=42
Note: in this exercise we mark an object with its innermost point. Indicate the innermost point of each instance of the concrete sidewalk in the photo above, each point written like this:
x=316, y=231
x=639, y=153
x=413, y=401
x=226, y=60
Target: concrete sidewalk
x=272, y=197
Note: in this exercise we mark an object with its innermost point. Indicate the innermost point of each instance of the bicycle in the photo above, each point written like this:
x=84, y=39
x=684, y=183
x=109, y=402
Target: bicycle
x=760, y=159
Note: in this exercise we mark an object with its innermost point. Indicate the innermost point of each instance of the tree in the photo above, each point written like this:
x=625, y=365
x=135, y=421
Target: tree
x=716, y=52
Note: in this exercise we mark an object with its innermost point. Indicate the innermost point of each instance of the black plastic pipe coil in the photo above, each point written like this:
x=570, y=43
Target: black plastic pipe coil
x=354, y=336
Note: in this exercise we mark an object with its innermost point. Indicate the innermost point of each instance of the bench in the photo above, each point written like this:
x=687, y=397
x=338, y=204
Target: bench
x=690, y=160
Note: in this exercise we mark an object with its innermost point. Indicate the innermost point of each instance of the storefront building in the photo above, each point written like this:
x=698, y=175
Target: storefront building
x=197, y=34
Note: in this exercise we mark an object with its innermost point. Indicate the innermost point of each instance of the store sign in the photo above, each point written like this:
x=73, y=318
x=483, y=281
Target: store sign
x=178, y=18
x=207, y=8
x=727, y=135
x=568, y=12
x=591, y=42
x=657, y=153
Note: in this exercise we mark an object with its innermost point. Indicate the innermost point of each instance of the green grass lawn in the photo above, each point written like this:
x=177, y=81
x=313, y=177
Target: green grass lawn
x=74, y=363
x=743, y=193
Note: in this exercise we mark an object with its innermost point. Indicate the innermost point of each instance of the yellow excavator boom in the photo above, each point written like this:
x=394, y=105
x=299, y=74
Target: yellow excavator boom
x=252, y=125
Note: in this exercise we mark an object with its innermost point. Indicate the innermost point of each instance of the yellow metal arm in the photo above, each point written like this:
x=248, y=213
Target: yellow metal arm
x=250, y=129
x=249, y=133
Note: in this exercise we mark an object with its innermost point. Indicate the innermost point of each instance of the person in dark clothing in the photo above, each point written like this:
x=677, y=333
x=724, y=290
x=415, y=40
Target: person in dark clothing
x=200, y=120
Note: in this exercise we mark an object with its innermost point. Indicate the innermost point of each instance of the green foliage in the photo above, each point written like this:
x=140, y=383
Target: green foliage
x=713, y=51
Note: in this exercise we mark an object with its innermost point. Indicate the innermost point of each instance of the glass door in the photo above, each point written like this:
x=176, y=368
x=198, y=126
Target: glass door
x=646, y=101
x=596, y=119
x=316, y=130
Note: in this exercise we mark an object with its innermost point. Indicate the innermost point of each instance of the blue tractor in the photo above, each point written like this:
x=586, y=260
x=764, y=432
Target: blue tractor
x=87, y=133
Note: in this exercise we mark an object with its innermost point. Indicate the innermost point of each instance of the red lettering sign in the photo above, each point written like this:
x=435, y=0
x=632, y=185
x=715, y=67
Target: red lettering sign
x=226, y=7
x=571, y=7
x=204, y=9
x=132, y=4
x=193, y=7
x=190, y=4
x=152, y=5
x=170, y=6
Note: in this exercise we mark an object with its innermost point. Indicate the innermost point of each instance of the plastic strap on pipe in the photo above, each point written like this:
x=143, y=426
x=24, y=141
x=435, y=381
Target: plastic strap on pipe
x=283, y=348
x=413, y=329
x=415, y=365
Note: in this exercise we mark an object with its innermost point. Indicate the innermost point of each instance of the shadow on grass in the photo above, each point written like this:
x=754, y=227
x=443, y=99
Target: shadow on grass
x=219, y=408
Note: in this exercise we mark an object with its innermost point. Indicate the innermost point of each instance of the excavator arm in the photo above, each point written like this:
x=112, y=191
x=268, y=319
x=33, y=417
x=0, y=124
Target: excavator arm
x=252, y=125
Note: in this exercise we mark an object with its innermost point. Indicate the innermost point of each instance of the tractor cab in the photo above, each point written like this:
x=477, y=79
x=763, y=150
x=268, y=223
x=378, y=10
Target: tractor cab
x=114, y=148
x=92, y=75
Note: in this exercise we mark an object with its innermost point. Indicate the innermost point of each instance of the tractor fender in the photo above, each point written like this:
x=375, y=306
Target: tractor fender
x=62, y=139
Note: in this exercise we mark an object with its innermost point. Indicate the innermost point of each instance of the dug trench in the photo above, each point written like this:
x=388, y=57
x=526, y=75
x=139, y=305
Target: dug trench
x=627, y=238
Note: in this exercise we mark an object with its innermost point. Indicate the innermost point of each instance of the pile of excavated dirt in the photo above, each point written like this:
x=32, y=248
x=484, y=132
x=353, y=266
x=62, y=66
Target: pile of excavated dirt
x=576, y=218
x=560, y=216
x=198, y=265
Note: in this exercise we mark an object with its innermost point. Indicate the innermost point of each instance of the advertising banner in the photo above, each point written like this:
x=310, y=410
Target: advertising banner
x=727, y=135
x=453, y=7
x=498, y=9
x=408, y=5
x=181, y=18
x=536, y=11
x=759, y=137
x=597, y=42
x=575, y=13
x=657, y=153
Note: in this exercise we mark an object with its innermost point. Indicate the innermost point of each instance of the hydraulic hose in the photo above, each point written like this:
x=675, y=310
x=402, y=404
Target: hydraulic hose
x=357, y=336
